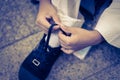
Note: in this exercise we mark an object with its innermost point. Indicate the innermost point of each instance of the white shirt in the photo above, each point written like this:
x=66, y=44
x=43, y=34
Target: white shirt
x=109, y=24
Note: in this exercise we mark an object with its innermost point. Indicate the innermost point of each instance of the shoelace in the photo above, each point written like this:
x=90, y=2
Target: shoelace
x=46, y=46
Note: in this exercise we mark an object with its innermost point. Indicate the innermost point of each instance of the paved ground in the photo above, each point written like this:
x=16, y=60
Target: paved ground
x=18, y=36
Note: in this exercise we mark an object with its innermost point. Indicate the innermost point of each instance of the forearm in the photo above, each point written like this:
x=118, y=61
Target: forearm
x=96, y=37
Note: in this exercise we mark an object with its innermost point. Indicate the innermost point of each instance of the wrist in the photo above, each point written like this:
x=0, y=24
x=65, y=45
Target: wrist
x=96, y=37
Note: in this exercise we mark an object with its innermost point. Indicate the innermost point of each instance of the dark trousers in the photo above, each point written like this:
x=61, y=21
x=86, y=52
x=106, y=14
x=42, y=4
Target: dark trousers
x=91, y=10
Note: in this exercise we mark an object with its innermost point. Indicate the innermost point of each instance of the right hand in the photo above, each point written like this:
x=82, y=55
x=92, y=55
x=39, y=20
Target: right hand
x=79, y=38
x=47, y=11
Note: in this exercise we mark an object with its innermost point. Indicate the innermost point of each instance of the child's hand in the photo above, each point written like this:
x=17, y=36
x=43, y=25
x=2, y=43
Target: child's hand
x=79, y=39
x=47, y=12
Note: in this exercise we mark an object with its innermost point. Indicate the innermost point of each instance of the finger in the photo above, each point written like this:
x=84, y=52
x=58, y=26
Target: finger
x=67, y=51
x=43, y=21
x=63, y=38
x=42, y=28
x=57, y=27
x=44, y=31
x=65, y=46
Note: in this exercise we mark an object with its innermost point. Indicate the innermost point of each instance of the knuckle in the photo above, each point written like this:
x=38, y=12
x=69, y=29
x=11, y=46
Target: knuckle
x=68, y=42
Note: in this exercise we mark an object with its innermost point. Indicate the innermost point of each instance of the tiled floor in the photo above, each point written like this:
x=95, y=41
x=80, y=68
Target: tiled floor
x=19, y=35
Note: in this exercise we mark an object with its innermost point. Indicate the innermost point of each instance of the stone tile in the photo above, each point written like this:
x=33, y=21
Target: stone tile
x=12, y=56
x=110, y=73
x=17, y=20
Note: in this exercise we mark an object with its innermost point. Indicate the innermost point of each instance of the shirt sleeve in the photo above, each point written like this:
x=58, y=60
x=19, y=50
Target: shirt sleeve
x=109, y=24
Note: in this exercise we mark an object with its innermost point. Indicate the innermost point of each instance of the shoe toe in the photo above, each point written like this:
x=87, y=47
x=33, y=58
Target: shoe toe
x=26, y=75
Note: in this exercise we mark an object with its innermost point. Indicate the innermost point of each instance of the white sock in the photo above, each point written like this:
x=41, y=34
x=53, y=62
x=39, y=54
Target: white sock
x=54, y=41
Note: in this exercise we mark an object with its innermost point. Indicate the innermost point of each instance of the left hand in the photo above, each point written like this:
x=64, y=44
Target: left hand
x=47, y=12
x=79, y=39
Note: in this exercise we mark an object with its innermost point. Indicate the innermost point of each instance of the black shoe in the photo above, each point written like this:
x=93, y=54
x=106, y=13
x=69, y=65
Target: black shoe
x=40, y=61
x=35, y=1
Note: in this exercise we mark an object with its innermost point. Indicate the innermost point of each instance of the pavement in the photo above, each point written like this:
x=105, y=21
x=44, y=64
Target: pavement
x=19, y=36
